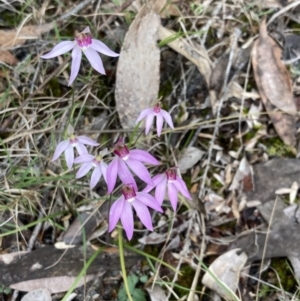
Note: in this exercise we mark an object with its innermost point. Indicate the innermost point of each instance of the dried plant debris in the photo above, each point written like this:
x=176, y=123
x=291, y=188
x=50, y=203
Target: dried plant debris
x=46, y=267
x=189, y=158
x=223, y=274
x=274, y=85
x=196, y=53
x=280, y=236
x=38, y=295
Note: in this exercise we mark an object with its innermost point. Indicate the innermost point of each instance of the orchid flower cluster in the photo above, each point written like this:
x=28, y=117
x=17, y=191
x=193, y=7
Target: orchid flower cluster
x=126, y=162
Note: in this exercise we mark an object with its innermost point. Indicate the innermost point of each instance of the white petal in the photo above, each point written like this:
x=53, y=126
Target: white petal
x=59, y=49
x=95, y=60
x=76, y=60
x=102, y=48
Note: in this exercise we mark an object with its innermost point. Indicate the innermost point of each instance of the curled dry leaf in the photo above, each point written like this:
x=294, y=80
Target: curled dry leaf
x=243, y=177
x=274, y=85
x=137, y=82
x=223, y=274
x=193, y=52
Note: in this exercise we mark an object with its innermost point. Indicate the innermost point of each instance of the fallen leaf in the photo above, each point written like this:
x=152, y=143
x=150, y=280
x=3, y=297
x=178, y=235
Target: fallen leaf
x=223, y=274
x=243, y=177
x=137, y=82
x=14, y=37
x=193, y=52
x=189, y=158
x=153, y=238
x=274, y=85
x=8, y=58
x=157, y=293
x=41, y=294
x=55, y=285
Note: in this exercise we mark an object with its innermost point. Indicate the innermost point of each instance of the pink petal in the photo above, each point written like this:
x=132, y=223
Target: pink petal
x=181, y=186
x=69, y=155
x=140, y=170
x=60, y=148
x=143, y=156
x=84, y=169
x=81, y=148
x=85, y=158
x=160, y=190
x=59, y=49
x=102, y=48
x=103, y=167
x=127, y=220
x=96, y=176
x=76, y=60
x=95, y=60
x=111, y=174
x=115, y=212
x=87, y=141
x=173, y=195
x=125, y=174
x=148, y=200
x=148, y=122
x=166, y=115
x=159, y=124
x=143, y=213
x=143, y=114
x=156, y=180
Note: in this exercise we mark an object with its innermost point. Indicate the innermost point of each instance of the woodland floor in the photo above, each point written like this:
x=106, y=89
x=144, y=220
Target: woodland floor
x=228, y=73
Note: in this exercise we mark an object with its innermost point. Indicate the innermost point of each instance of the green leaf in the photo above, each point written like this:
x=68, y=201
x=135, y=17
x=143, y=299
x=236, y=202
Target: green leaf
x=139, y=295
x=144, y=278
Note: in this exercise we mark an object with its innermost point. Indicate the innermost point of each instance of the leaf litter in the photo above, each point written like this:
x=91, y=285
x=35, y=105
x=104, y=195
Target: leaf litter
x=274, y=85
x=236, y=200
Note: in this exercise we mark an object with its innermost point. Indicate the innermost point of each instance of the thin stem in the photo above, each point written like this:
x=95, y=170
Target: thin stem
x=122, y=262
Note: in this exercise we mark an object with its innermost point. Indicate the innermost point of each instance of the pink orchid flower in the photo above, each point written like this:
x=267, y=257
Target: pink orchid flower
x=133, y=159
x=88, y=162
x=67, y=146
x=83, y=43
x=171, y=181
x=160, y=114
x=122, y=209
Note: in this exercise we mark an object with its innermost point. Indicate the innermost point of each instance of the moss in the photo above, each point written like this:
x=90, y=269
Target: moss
x=55, y=87
x=276, y=147
x=185, y=280
x=165, y=89
x=284, y=272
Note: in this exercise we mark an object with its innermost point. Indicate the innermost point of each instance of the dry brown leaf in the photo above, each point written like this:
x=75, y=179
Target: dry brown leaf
x=274, y=85
x=270, y=73
x=171, y=9
x=223, y=274
x=55, y=285
x=8, y=58
x=14, y=37
x=189, y=158
x=243, y=177
x=193, y=52
x=137, y=82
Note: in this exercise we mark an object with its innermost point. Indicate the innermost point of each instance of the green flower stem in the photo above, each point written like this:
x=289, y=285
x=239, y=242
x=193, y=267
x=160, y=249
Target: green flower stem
x=122, y=262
